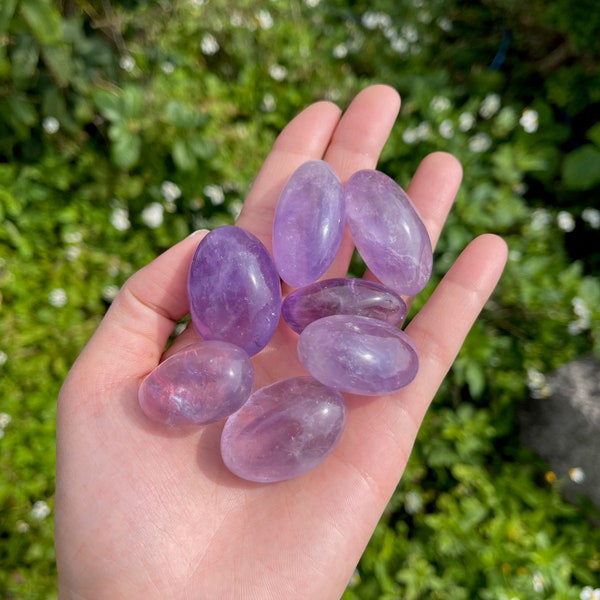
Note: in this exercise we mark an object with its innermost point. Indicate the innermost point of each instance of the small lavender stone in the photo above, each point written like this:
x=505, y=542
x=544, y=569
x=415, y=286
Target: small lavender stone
x=308, y=223
x=203, y=383
x=283, y=430
x=342, y=297
x=234, y=289
x=359, y=355
x=388, y=232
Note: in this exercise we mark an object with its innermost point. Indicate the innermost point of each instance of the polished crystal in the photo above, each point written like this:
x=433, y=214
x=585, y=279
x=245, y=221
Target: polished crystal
x=202, y=383
x=283, y=430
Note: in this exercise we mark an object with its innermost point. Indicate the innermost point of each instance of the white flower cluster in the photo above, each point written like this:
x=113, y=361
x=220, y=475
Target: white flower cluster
x=40, y=510
x=58, y=297
x=592, y=217
x=4, y=420
x=584, y=316
x=119, y=217
x=537, y=384
x=589, y=593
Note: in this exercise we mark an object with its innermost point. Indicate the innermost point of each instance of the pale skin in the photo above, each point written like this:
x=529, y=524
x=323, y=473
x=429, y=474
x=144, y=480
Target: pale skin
x=147, y=512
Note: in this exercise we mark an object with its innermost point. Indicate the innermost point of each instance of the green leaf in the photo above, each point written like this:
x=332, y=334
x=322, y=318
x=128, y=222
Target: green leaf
x=593, y=135
x=7, y=10
x=58, y=60
x=109, y=104
x=24, y=59
x=126, y=147
x=581, y=168
x=183, y=155
x=43, y=20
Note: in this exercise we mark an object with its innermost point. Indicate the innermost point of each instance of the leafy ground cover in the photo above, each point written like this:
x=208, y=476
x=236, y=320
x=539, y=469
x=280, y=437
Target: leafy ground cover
x=124, y=126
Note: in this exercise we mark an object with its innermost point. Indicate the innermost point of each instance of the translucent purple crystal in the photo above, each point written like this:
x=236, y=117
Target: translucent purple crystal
x=359, y=355
x=203, y=383
x=308, y=223
x=388, y=232
x=234, y=289
x=283, y=430
x=342, y=297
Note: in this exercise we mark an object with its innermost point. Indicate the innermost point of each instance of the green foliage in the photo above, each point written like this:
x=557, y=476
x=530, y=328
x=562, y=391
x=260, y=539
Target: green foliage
x=122, y=128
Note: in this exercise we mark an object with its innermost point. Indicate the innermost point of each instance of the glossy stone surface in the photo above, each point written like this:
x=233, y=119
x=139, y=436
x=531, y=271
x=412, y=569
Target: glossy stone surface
x=202, y=383
x=234, y=289
x=359, y=355
x=284, y=430
x=388, y=232
x=342, y=296
x=308, y=224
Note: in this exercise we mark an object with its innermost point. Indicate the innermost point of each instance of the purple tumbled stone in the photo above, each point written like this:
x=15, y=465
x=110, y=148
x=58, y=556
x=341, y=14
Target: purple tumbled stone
x=359, y=355
x=388, y=232
x=308, y=223
x=234, y=289
x=203, y=383
x=283, y=430
x=342, y=297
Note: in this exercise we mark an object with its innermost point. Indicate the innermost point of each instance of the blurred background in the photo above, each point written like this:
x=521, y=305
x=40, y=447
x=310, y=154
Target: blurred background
x=125, y=125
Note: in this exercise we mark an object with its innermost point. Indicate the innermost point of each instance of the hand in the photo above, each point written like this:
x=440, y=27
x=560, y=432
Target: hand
x=142, y=512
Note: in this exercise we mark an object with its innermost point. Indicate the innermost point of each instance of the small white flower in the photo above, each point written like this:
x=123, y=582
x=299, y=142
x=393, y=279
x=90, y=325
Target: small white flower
x=529, y=120
x=480, y=142
x=540, y=219
x=410, y=135
x=4, y=420
x=489, y=106
x=424, y=16
x=72, y=253
x=580, y=308
x=586, y=593
x=446, y=129
x=312, y=3
x=235, y=208
x=440, y=104
x=340, y=51
x=592, y=217
x=215, y=194
x=413, y=502
x=278, y=72
x=109, y=292
x=519, y=188
x=51, y=125
x=264, y=18
x=515, y=255
x=577, y=475
x=167, y=67
x=565, y=221
x=410, y=33
x=466, y=121
x=170, y=191
x=399, y=45
x=127, y=63
x=538, y=582
x=119, y=218
x=3, y=357
x=58, y=297
x=595, y=594
x=40, y=510
x=152, y=215
x=268, y=103
x=370, y=20
x=22, y=527
x=209, y=44
x=444, y=24
x=423, y=130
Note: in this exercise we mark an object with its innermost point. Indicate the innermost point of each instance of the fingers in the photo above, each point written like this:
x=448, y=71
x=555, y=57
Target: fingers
x=141, y=318
x=441, y=326
x=351, y=143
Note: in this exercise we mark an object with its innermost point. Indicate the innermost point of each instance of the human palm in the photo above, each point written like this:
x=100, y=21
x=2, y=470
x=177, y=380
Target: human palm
x=147, y=512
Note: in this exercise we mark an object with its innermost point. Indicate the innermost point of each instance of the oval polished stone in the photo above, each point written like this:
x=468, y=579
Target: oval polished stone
x=342, y=296
x=283, y=430
x=234, y=289
x=388, y=232
x=359, y=355
x=308, y=223
x=202, y=383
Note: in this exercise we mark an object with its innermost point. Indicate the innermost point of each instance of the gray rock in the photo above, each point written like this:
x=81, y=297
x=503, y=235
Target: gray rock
x=562, y=424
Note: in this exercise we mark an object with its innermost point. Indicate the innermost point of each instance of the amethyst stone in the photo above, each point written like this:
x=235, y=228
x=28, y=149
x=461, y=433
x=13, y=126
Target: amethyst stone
x=342, y=297
x=388, y=232
x=234, y=289
x=203, y=383
x=284, y=430
x=308, y=224
x=359, y=355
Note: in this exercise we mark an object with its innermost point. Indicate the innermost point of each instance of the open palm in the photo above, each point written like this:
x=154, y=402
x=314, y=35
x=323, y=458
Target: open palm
x=145, y=512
